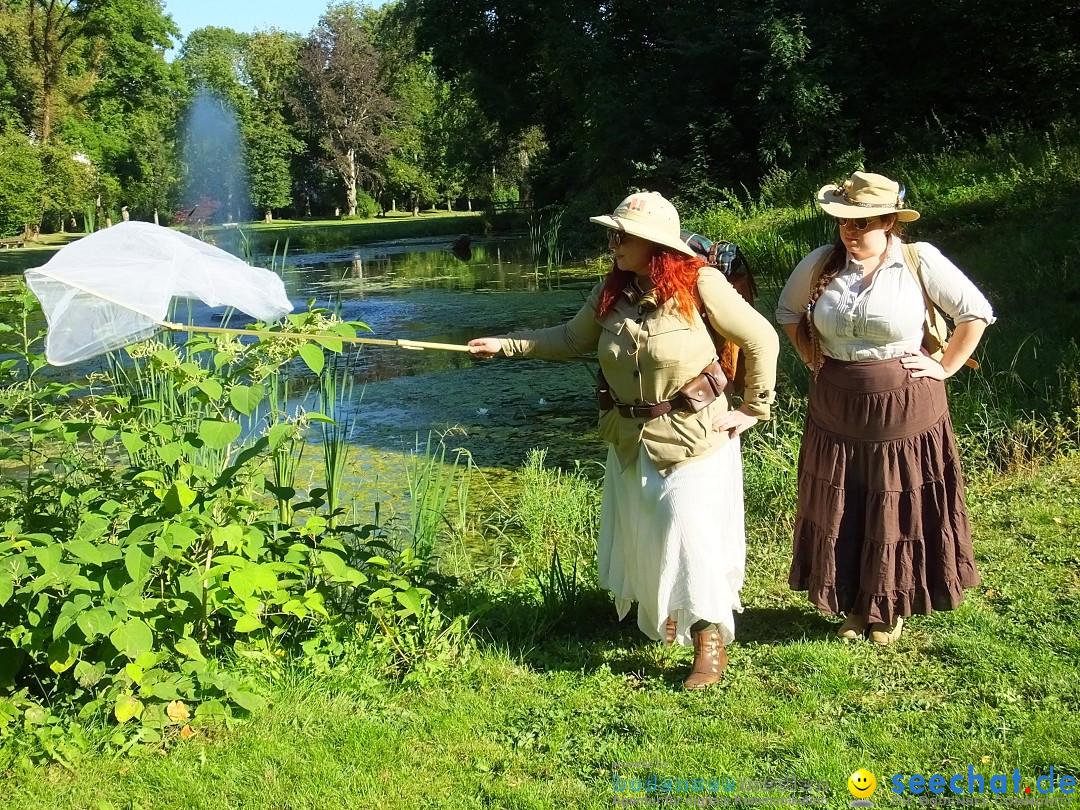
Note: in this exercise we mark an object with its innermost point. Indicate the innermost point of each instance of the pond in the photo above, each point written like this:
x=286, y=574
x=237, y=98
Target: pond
x=419, y=289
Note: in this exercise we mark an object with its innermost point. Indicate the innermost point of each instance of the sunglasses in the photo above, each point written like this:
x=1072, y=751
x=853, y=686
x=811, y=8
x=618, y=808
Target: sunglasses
x=859, y=223
x=616, y=238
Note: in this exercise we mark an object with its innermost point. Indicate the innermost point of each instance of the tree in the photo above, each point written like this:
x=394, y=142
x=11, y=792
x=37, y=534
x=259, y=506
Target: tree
x=341, y=97
x=270, y=68
x=20, y=183
x=54, y=27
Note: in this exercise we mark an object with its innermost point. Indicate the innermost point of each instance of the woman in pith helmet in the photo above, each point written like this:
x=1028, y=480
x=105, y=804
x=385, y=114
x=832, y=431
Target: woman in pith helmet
x=671, y=527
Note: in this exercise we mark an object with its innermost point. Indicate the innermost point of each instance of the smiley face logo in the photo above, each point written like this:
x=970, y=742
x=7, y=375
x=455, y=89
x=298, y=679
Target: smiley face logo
x=861, y=784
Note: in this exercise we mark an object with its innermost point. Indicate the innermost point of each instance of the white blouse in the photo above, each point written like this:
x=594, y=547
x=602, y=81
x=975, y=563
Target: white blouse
x=884, y=318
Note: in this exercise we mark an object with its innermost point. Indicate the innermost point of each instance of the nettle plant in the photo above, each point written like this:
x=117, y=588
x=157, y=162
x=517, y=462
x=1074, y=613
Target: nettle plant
x=149, y=524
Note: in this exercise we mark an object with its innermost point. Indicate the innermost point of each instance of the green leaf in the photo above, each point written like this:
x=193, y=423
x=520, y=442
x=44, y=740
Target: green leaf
x=49, y=557
x=89, y=675
x=7, y=588
x=99, y=621
x=189, y=648
x=231, y=536
x=137, y=562
x=210, y=710
x=248, y=701
x=410, y=600
x=133, y=638
x=102, y=434
x=181, y=536
x=127, y=707
x=248, y=623
x=212, y=388
x=217, y=434
x=256, y=577
x=313, y=356
x=62, y=655
x=171, y=453
x=278, y=434
x=85, y=551
x=180, y=496
x=246, y=398
x=135, y=672
x=132, y=441
x=334, y=565
x=92, y=527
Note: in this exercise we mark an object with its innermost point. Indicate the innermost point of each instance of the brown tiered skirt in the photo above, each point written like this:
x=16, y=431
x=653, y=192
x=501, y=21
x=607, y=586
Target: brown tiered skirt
x=881, y=528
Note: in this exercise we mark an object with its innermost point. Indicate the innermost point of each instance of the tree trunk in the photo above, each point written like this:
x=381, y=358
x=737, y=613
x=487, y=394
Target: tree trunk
x=156, y=217
x=350, y=182
x=469, y=201
x=416, y=205
x=448, y=208
x=269, y=217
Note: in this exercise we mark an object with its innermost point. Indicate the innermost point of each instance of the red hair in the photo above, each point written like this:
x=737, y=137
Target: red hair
x=674, y=274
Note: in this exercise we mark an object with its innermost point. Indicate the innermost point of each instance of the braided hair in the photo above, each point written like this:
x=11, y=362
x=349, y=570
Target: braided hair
x=835, y=261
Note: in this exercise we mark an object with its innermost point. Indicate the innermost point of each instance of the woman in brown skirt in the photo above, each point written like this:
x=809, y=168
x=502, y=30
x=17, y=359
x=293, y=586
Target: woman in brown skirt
x=881, y=531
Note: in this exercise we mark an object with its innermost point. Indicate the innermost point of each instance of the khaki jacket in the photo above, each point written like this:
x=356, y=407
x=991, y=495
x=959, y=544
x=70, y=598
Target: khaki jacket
x=647, y=358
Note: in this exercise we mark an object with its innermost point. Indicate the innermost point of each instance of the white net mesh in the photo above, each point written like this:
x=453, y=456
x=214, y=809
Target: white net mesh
x=114, y=287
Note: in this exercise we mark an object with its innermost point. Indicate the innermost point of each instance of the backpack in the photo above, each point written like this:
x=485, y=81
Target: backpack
x=935, y=329
x=729, y=260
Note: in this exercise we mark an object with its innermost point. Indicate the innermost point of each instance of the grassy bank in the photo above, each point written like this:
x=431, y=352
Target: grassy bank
x=535, y=722
x=394, y=226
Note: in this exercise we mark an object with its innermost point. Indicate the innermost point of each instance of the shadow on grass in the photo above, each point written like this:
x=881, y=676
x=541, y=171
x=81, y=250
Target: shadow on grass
x=586, y=635
x=781, y=625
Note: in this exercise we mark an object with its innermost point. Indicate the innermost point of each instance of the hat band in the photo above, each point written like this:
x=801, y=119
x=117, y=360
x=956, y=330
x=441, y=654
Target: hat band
x=849, y=201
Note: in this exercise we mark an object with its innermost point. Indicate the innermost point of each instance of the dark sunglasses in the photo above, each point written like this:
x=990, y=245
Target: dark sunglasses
x=616, y=238
x=860, y=223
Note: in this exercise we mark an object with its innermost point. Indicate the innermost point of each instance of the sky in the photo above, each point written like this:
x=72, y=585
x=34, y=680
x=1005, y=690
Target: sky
x=298, y=16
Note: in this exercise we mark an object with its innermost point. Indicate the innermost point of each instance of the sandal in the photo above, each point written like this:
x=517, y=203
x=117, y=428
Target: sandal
x=885, y=634
x=854, y=627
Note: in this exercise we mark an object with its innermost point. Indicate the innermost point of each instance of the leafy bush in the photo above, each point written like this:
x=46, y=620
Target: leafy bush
x=144, y=539
x=366, y=207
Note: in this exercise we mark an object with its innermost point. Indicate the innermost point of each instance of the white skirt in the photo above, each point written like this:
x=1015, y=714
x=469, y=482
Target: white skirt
x=676, y=545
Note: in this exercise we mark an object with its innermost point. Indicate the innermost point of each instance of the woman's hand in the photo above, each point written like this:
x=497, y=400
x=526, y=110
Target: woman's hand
x=735, y=422
x=485, y=347
x=922, y=365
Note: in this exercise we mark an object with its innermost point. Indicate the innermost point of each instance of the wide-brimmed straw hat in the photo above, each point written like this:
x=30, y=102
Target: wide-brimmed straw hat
x=865, y=195
x=648, y=215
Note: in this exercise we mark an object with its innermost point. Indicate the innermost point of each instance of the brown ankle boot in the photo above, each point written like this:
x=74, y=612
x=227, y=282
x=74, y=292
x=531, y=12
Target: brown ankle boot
x=710, y=659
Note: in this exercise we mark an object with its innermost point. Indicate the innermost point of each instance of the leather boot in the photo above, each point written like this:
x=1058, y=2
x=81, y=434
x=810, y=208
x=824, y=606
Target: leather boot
x=710, y=659
x=669, y=631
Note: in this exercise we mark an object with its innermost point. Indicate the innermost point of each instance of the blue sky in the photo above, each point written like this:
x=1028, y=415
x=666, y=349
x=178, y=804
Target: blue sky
x=299, y=16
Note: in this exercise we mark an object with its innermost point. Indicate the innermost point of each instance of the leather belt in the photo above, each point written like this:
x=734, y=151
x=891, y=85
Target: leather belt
x=651, y=411
x=693, y=396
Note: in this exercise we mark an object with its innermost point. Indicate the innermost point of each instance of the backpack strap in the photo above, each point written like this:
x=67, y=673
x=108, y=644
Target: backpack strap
x=914, y=264
x=934, y=327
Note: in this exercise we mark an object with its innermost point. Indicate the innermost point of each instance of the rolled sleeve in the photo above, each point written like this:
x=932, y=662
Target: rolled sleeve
x=951, y=289
x=796, y=293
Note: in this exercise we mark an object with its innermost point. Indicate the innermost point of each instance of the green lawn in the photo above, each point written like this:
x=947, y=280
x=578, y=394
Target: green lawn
x=537, y=724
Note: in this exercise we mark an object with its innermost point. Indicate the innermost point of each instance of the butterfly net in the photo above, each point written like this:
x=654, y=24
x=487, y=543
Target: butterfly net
x=114, y=287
